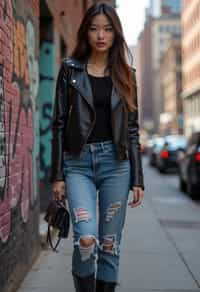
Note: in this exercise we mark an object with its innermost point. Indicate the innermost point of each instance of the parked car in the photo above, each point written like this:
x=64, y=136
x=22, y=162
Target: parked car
x=189, y=167
x=154, y=145
x=167, y=156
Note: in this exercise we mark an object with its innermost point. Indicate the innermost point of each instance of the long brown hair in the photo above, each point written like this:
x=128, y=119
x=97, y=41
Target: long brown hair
x=121, y=73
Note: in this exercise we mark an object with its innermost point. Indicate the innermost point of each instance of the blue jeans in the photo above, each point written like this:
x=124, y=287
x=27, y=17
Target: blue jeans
x=97, y=171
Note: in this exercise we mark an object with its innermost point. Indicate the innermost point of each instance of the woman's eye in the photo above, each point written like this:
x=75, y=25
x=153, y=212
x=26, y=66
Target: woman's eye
x=92, y=28
x=109, y=29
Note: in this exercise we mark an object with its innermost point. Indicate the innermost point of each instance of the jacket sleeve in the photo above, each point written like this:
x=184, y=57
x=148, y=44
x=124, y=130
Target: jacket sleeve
x=57, y=126
x=135, y=147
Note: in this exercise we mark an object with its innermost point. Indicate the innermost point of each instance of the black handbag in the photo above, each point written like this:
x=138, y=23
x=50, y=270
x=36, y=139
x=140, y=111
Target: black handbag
x=57, y=216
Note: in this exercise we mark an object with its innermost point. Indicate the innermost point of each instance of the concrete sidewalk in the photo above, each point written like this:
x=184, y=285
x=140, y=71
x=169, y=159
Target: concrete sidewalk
x=154, y=257
x=149, y=261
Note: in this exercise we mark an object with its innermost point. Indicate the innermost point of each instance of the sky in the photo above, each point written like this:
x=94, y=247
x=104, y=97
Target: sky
x=132, y=15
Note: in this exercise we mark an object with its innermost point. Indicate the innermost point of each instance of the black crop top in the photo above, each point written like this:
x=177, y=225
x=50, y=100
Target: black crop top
x=101, y=89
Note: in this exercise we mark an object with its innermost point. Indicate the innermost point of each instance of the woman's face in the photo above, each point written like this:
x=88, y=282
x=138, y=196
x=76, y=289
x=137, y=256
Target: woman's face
x=100, y=33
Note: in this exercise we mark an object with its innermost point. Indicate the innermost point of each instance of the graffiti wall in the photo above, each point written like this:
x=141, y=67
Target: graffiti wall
x=19, y=130
x=46, y=100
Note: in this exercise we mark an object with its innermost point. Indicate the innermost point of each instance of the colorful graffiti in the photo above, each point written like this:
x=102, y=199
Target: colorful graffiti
x=33, y=70
x=46, y=92
x=18, y=125
x=2, y=137
x=20, y=54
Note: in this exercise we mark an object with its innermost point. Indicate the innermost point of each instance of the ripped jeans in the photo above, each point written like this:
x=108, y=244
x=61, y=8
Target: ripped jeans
x=97, y=171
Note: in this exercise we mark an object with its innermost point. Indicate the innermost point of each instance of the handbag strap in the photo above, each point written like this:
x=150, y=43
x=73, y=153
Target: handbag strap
x=62, y=204
x=49, y=239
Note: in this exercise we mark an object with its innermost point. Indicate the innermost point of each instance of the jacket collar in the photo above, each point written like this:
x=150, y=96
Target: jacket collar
x=75, y=63
x=80, y=80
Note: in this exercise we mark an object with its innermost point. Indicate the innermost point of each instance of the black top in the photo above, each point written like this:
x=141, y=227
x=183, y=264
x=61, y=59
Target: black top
x=101, y=89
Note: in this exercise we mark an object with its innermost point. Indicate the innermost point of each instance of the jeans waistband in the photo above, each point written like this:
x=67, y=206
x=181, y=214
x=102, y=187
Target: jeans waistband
x=97, y=145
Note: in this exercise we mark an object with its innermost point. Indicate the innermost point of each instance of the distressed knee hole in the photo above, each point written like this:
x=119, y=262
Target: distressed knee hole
x=112, y=210
x=109, y=244
x=81, y=214
x=86, y=242
x=86, y=246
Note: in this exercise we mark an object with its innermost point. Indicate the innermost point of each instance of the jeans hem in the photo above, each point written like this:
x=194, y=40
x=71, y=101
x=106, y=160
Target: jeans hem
x=116, y=282
x=80, y=275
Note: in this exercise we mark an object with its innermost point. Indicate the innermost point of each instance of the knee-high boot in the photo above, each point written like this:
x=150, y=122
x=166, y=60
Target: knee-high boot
x=102, y=286
x=84, y=284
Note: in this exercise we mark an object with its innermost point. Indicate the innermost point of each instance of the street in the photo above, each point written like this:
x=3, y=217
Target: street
x=160, y=249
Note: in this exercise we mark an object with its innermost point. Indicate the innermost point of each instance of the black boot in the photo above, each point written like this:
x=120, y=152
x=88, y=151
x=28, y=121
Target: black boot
x=102, y=286
x=84, y=284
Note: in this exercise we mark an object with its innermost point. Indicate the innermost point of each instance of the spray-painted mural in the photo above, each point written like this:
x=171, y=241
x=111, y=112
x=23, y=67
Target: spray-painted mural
x=18, y=117
x=2, y=138
x=45, y=104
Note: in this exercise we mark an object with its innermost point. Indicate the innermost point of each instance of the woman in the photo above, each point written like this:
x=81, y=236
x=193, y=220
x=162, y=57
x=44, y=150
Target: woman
x=95, y=146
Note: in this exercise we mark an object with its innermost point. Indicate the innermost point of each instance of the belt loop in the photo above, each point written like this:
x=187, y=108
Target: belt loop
x=91, y=148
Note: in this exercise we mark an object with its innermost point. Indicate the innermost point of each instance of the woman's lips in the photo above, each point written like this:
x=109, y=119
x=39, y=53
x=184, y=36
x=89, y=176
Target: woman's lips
x=101, y=44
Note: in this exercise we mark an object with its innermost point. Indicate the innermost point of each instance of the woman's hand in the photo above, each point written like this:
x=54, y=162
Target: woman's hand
x=138, y=195
x=58, y=189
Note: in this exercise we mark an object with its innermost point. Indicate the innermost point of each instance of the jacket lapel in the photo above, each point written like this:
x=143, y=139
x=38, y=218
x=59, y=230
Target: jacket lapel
x=115, y=99
x=79, y=79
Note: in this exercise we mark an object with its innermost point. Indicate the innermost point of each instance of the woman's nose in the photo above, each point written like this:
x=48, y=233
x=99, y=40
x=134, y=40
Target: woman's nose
x=101, y=34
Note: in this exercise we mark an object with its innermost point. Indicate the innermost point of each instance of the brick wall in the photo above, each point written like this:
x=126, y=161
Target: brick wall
x=19, y=202
x=67, y=17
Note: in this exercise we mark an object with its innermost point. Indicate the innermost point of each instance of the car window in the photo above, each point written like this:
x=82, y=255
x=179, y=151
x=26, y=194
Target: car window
x=159, y=143
x=174, y=143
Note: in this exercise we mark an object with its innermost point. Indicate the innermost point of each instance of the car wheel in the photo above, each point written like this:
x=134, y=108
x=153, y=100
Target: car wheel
x=192, y=191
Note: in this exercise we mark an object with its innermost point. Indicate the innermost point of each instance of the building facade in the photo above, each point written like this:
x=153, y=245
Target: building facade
x=190, y=20
x=171, y=121
x=152, y=44
x=165, y=7
x=144, y=78
x=161, y=31
x=154, y=8
x=170, y=7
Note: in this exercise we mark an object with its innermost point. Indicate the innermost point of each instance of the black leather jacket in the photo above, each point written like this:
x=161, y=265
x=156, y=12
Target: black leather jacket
x=74, y=118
